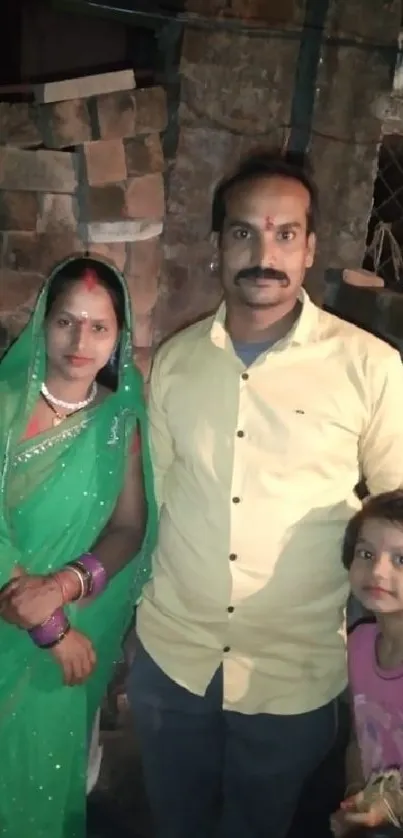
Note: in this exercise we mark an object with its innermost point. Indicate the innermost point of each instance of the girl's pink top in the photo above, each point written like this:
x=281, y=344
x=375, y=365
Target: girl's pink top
x=378, y=703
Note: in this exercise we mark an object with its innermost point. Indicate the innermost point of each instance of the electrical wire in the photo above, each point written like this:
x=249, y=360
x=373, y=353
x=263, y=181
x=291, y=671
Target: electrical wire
x=253, y=28
x=238, y=27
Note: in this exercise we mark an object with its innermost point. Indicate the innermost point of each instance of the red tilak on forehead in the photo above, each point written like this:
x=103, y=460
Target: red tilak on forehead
x=268, y=222
x=90, y=279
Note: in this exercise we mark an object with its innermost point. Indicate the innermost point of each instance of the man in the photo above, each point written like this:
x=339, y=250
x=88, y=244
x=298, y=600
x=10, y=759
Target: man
x=263, y=417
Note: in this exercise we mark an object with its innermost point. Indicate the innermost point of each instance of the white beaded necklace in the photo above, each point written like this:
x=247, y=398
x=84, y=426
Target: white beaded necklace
x=71, y=407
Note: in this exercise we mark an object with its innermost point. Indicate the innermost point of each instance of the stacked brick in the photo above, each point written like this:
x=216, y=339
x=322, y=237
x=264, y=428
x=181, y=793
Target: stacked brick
x=82, y=170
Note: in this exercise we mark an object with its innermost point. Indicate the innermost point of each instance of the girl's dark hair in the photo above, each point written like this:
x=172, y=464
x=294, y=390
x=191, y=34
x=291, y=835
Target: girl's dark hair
x=74, y=271
x=385, y=507
x=267, y=164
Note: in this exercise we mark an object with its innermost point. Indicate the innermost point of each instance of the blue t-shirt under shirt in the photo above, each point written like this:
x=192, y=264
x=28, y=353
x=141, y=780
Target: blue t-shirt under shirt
x=248, y=352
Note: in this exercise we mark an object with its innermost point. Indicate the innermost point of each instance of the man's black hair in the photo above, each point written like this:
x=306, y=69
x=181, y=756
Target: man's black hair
x=266, y=164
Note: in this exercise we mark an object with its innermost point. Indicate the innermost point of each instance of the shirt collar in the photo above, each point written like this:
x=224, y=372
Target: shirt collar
x=301, y=333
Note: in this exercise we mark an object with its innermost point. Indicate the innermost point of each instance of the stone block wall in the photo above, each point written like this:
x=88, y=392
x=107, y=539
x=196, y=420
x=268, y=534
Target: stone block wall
x=238, y=86
x=84, y=174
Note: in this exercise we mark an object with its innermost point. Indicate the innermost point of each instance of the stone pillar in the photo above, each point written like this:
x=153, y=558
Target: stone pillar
x=236, y=94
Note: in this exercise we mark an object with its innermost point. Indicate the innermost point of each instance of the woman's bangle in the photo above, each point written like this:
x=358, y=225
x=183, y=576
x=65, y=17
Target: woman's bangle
x=85, y=575
x=52, y=631
x=92, y=572
x=67, y=581
x=99, y=576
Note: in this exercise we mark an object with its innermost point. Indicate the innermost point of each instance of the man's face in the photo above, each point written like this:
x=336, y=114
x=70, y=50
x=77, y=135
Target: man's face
x=265, y=249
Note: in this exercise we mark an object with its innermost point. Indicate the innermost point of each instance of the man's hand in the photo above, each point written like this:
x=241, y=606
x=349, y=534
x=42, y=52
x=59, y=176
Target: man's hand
x=76, y=656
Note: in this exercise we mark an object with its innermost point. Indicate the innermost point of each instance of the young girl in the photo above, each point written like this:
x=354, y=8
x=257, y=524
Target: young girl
x=373, y=555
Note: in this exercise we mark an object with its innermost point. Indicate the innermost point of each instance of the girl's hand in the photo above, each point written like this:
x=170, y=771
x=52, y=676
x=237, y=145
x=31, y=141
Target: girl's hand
x=351, y=815
x=76, y=656
x=28, y=600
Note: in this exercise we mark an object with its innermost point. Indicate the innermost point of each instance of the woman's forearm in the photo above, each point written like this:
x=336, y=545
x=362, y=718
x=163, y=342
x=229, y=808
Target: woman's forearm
x=114, y=549
x=117, y=546
x=28, y=600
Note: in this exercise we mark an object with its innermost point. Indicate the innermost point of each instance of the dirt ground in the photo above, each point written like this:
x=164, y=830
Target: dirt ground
x=118, y=806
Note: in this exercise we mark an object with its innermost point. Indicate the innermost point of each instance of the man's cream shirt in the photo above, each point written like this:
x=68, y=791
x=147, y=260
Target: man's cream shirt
x=255, y=473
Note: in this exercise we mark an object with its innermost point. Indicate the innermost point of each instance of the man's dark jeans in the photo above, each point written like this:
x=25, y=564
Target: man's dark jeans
x=212, y=773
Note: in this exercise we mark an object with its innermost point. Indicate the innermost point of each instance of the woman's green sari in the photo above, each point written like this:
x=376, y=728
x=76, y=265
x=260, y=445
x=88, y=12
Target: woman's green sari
x=58, y=491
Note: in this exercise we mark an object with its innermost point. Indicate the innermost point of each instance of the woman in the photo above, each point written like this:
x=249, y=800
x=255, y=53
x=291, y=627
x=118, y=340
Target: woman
x=75, y=478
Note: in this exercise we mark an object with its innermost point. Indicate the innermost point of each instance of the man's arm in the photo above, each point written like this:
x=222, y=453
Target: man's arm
x=162, y=451
x=381, y=446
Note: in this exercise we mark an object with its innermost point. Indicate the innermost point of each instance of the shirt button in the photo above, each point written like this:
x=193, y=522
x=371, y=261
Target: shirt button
x=233, y=557
x=240, y=433
x=230, y=609
x=236, y=500
x=227, y=649
x=245, y=376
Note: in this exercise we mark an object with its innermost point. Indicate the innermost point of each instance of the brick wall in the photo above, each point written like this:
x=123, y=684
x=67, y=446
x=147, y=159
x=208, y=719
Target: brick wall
x=85, y=172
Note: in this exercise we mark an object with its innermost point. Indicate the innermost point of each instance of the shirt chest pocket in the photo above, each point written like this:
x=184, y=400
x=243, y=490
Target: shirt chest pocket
x=304, y=439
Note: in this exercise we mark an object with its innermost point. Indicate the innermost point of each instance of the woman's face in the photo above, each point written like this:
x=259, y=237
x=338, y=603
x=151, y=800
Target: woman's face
x=81, y=332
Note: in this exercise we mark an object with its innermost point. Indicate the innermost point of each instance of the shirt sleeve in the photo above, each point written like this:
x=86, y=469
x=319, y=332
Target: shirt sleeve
x=162, y=450
x=381, y=445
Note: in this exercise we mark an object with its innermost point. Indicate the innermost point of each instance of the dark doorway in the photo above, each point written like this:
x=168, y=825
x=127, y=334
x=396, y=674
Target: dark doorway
x=384, y=254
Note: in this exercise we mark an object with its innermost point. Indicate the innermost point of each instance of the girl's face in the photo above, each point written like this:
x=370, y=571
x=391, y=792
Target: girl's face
x=376, y=574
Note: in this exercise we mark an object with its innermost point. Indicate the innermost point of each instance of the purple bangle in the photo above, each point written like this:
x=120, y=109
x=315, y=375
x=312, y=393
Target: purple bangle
x=52, y=631
x=97, y=572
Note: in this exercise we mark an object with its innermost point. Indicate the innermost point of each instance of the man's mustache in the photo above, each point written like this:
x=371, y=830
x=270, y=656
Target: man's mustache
x=262, y=273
